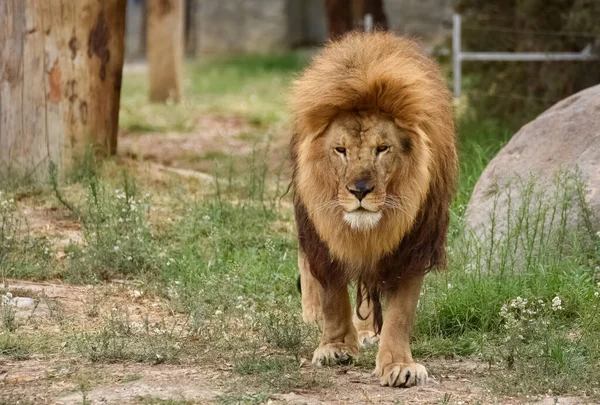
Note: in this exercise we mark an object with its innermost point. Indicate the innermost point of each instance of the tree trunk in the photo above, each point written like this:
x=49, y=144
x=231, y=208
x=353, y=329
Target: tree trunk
x=339, y=17
x=346, y=15
x=61, y=66
x=375, y=7
x=191, y=9
x=165, y=49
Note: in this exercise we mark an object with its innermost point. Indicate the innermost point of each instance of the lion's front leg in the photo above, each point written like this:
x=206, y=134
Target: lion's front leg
x=395, y=366
x=339, y=341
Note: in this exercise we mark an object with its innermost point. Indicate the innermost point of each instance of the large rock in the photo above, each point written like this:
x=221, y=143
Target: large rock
x=564, y=139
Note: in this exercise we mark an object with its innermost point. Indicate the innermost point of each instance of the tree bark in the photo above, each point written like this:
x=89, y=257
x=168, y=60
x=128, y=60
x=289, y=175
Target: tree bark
x=61, y=65
x=346, y=15
x=191, y=28
x=375, y=7
x=339, y=17
x=165, y=49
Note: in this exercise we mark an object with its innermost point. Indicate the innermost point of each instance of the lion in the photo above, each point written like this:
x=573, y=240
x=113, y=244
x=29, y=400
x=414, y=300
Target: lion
x=374, y=171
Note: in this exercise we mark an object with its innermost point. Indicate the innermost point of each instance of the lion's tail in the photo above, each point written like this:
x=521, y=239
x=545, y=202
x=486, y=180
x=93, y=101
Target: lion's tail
x=373, y=297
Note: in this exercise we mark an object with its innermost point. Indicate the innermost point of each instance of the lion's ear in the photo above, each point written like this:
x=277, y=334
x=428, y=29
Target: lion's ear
x=414, y=129
x=319, y=131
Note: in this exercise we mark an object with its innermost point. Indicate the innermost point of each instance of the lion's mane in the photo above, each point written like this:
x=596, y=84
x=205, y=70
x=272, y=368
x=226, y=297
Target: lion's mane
x=379, y=73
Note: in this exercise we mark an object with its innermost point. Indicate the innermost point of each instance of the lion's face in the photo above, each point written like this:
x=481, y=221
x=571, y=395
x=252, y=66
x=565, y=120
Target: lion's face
x=367, y=172
x=365, y=152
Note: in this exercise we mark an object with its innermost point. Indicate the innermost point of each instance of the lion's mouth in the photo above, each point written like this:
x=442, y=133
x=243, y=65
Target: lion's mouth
x=362, y=219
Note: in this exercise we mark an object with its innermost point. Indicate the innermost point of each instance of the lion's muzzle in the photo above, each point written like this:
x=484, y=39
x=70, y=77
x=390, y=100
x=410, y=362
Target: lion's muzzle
x=361, y=187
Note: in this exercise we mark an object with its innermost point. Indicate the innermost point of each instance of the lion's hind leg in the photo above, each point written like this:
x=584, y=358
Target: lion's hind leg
x=310, y=289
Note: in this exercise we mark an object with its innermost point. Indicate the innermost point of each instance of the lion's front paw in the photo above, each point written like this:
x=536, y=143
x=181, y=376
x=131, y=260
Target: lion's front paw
x=402, y=375
x=367, y=338
x=335, y=353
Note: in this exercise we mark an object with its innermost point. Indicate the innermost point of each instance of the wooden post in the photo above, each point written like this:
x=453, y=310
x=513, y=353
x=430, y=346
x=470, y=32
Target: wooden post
x=165, y=49
x=346, y=15
x=61, y=66
x=375, y=8
x=339, y=17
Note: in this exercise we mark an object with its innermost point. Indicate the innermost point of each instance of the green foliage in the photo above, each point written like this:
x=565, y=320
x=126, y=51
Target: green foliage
x=252, y=86
x=116, y=231
x=517, y=91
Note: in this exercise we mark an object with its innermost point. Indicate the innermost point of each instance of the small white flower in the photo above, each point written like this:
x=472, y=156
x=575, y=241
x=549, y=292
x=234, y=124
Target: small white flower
x=206, y=218
x=556, y=304
x=449, y=286
x=116, y=248
x=129, y=258
x=218, y=312
x=597, y=294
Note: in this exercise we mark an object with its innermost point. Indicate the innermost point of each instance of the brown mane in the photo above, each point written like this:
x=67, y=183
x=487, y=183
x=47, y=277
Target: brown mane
x=378, y=73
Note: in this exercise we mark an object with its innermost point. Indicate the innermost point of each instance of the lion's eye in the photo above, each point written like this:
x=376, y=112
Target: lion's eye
x=341, y=150
x=382, y=148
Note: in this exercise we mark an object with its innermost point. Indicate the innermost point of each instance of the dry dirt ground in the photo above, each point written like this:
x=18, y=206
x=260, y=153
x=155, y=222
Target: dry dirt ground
x=50, y=378
x=213, y=137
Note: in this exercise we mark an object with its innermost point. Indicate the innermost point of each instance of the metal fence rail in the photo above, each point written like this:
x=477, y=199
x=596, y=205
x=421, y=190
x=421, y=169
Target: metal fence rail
x=458, y=56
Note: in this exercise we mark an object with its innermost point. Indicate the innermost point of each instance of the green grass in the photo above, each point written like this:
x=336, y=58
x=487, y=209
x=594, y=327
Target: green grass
x=225, y=261
x=253, y=87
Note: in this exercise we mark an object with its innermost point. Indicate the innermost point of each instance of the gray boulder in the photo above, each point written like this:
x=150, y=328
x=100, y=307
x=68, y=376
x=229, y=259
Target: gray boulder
x=544, y=174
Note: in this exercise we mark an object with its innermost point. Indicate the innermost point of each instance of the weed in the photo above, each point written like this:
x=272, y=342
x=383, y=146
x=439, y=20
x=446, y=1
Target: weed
x=13, y=346
x=7, y=312
x=120, y=339
x=21, y=254
x=285, y=330
x=84, y=386
x=117, y=235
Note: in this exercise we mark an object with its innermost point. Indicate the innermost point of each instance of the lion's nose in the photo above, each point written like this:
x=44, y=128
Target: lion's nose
x=361, y=188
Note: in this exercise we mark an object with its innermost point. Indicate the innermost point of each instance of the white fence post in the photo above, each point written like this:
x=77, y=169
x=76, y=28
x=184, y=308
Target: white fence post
x=456, y=54
x=368, y=23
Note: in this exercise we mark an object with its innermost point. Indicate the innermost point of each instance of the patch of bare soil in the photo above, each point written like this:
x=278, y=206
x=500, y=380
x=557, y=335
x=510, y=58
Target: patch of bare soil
x=213, y=136
x=46, y=220
x=69, y=382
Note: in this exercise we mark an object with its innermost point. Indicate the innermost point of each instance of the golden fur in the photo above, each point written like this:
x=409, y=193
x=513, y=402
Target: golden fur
x=374, y=170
